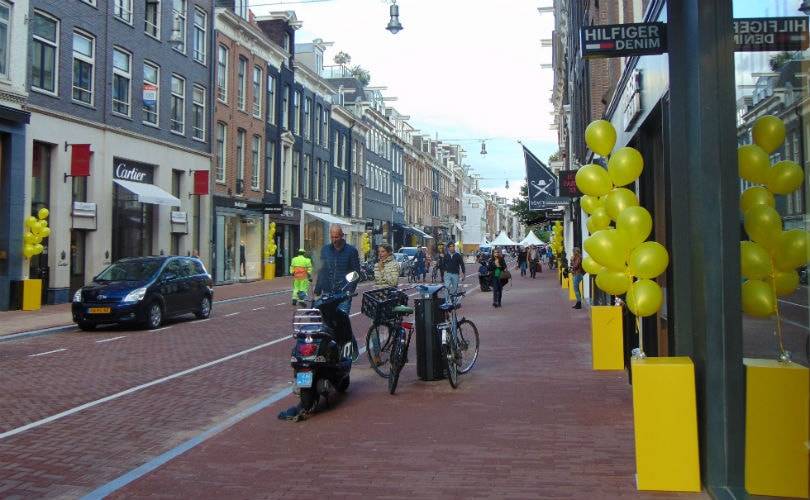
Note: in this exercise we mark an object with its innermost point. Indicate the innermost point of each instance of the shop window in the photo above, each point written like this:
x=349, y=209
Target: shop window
x=152, y=18
x=199, y=38
x=177, y=182
x=132, y=225
x=84, y=53
x=151, y=80
x=222, y=73
x=5, y=36
x=40, y=198
x=198, y=112
x=122, y=77
x=178, y=105
x=77, y=259
x=269, y=166
x=179, y=15
x=44, y=52
x=257, y=92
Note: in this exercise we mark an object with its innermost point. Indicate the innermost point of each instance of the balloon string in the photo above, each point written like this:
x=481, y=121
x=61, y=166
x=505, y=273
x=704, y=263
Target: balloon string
x=782, y=353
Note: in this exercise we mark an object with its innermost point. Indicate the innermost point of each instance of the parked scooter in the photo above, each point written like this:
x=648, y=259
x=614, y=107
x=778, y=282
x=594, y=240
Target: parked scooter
x=367, y=271
x=322, y=355
x=484, y=277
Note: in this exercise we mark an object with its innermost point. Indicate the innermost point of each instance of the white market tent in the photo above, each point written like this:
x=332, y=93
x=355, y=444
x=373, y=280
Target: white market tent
x=484, y=242
x=531, y=239
x=503, y=240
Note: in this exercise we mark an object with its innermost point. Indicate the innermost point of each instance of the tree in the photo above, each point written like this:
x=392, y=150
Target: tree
x=342, y=58
x=520, y=207
x=362, y=75
x=777, y=61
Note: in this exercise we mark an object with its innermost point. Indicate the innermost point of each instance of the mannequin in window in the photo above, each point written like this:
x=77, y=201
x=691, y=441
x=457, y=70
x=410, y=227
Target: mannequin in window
x=242, y=258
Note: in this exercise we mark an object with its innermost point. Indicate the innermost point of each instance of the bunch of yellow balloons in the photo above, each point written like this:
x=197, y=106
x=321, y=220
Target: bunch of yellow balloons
x=270, y=247
x=618, y=250
x=557, y=241
x=365, y=244
x=769, y=260
x=36, y=230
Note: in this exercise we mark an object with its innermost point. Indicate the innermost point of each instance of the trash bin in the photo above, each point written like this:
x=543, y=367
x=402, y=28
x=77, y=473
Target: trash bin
x=429, y=362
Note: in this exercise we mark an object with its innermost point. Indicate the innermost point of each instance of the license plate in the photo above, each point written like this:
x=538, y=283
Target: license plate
x=303, y=379
x=99, y=310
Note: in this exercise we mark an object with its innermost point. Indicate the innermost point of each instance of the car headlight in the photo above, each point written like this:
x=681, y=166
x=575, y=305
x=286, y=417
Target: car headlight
x=77, y=297
x=135, y=295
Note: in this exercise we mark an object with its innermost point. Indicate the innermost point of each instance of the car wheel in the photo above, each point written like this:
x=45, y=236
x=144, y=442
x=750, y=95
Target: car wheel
x=154, y=315
x=204, y=310
x=87, y=327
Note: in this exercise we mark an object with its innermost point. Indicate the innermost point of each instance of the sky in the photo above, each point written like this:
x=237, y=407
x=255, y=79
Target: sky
x=463, y=69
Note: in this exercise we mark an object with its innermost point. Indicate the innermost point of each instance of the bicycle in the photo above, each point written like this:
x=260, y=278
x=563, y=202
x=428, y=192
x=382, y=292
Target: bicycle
x=457, y=339
x=379, y=306
x=435, y=275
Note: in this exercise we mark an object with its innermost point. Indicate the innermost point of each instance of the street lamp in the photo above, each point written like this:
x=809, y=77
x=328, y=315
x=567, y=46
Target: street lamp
x=804, y=8
x=394, y=26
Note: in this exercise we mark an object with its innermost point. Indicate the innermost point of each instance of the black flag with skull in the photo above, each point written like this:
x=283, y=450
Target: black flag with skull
x=541, y=181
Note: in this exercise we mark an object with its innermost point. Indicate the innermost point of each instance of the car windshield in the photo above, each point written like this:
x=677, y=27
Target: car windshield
x=136, y=270
x=399, y=257
x=410, y=252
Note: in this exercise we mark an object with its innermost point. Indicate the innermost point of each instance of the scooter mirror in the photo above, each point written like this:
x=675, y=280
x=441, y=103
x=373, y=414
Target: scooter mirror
x=352, y=277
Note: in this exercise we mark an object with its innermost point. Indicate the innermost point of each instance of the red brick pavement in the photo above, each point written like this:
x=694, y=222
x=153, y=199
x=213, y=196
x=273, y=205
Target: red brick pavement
x=530, y=421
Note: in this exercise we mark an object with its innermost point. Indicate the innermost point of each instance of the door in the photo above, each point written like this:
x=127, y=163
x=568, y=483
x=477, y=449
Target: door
x=170, y=284
x=77, y=260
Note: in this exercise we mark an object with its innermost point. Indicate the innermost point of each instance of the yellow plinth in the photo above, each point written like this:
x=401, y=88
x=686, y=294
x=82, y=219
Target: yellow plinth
x=571, y=295
x=564, y=283
x=776, y=428
x=665, y=418
x=606, y=338
x=270, y=271
x=32, y=295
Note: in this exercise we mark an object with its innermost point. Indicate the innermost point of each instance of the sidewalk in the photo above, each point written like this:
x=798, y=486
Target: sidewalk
x=51, y=316
x=531, y=420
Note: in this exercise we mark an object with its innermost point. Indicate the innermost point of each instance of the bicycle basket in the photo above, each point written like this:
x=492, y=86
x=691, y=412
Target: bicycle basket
x=379, y=305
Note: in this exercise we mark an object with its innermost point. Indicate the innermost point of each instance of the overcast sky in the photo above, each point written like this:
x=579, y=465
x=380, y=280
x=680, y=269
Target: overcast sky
x=465, y=69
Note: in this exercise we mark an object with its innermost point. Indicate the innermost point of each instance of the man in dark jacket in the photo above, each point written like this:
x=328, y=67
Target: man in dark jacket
x=337, y=260
x=453, y=266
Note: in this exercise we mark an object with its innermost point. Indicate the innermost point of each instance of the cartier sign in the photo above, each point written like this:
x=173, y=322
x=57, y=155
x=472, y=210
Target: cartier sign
x=130, y=170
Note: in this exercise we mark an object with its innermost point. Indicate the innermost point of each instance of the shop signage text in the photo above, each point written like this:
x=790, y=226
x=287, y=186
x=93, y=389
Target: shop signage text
x=274, y=208
x=568, y=183
x=84, y=209
x=179, y=217
x=633, y=107
x=623, y=40
x=770, y=34
x=129, y=170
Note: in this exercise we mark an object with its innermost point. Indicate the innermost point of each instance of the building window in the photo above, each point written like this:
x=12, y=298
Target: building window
x=178, y=104
x=285, y=41
x=305, y=178
x=122, y=9
x=269, y=166
x=122, y=77
x=198, y=112
x=319, y=127
x=335, y=151
x=240, y=159
x=151, y=85
x=152, y=18
x=84, y=54
x=241, y=89
x=295, y=117
x=5, y=31
x=222, y=73
x=241, y=8
x=324, y=188
x=254, y=173
x=257, y=92
x=296, y=162
x=285, y=102
x=198, y=50
x=271, y=99
x=222, y=131
x=307, y=118
x=45, y=36
x=316, y=173
x=179, y=25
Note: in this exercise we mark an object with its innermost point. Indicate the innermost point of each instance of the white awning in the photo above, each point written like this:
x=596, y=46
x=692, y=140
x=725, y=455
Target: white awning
x=419, y=232
x=148, y=193
x=329, y=218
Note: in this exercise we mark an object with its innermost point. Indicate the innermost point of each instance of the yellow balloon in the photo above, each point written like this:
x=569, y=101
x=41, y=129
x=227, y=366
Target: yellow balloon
x=35, y=228
x=38, y=249
x=758, y=299
x=45, y=232
x=593, y=180
x=37, y=239
x=619, y=199
x=769, y=133
x=753, y=163
x=609, y=248
x=636, y=222
x=30, y=221
x=43, y=223
x=589, y=203
x=648, y=260
x=755, y=262
x=763, y=224
x=28, y=238
x=600, y=218
x=28, y=251
x=792, y=249
x=591, y=226
x=43, y=213
x=756, y=195
x=613, y=282
x=591, y=266
x=644, y=298
x=625, y=165
x=785, y=282
x=785, y=177
x=600, y=136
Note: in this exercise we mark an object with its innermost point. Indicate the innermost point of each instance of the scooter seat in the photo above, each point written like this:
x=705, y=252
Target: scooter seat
x=403, y=310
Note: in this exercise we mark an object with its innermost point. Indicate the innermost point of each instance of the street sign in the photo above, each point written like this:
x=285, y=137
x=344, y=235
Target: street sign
x=623, y=40
x=765, y=34
x=568, y=184
x=550, y=203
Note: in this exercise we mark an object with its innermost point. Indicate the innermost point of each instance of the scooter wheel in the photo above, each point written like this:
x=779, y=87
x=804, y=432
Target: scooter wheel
x=343, y=386
x=309, y=399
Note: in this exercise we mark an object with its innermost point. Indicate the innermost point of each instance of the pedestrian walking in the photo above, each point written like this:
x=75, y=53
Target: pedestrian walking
x=338, y=259
x=454, y=267
x=522, y=260
x=386, y=271
x=534, y=261
x=577, y=272
x=301, y=270
x=500, y=275
x=420, y=264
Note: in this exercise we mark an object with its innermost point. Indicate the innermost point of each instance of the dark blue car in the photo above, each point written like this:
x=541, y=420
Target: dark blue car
x=144, y=290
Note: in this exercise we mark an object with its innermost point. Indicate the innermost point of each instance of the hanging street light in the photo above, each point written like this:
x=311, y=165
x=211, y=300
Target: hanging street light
x=394, y=26
x=483, y=148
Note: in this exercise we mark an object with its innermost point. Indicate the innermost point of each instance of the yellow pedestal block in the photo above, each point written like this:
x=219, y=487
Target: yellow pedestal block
x=665, y=418
x=571, y=295
x=32, y=295
x=270, y=271
x=777, y=428
x=606, y=338
x=564, y=283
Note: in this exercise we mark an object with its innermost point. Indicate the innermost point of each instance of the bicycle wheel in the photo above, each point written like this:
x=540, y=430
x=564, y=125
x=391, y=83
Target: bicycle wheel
x=451, y=359
x=468, y=344
x=396, y=363
x=378, y=343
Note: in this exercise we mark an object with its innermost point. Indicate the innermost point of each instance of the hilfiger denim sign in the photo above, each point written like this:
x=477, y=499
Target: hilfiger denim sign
x=134, y=171
x=623, y=40
x=770, y=33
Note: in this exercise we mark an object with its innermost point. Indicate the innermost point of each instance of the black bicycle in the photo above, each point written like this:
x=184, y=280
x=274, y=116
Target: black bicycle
x=379, y=306
x=459, y=340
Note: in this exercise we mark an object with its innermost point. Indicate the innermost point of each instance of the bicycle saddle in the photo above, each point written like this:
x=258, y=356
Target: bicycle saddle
x=449, y=306
x=403, y=310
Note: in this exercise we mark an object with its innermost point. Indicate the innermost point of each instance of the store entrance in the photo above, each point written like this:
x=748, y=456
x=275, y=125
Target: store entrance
x=77, y=259
x=132, y=225
x=40, y=198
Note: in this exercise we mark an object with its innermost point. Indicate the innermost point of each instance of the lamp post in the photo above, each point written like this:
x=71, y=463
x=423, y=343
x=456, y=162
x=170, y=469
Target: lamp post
x=394, y=26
